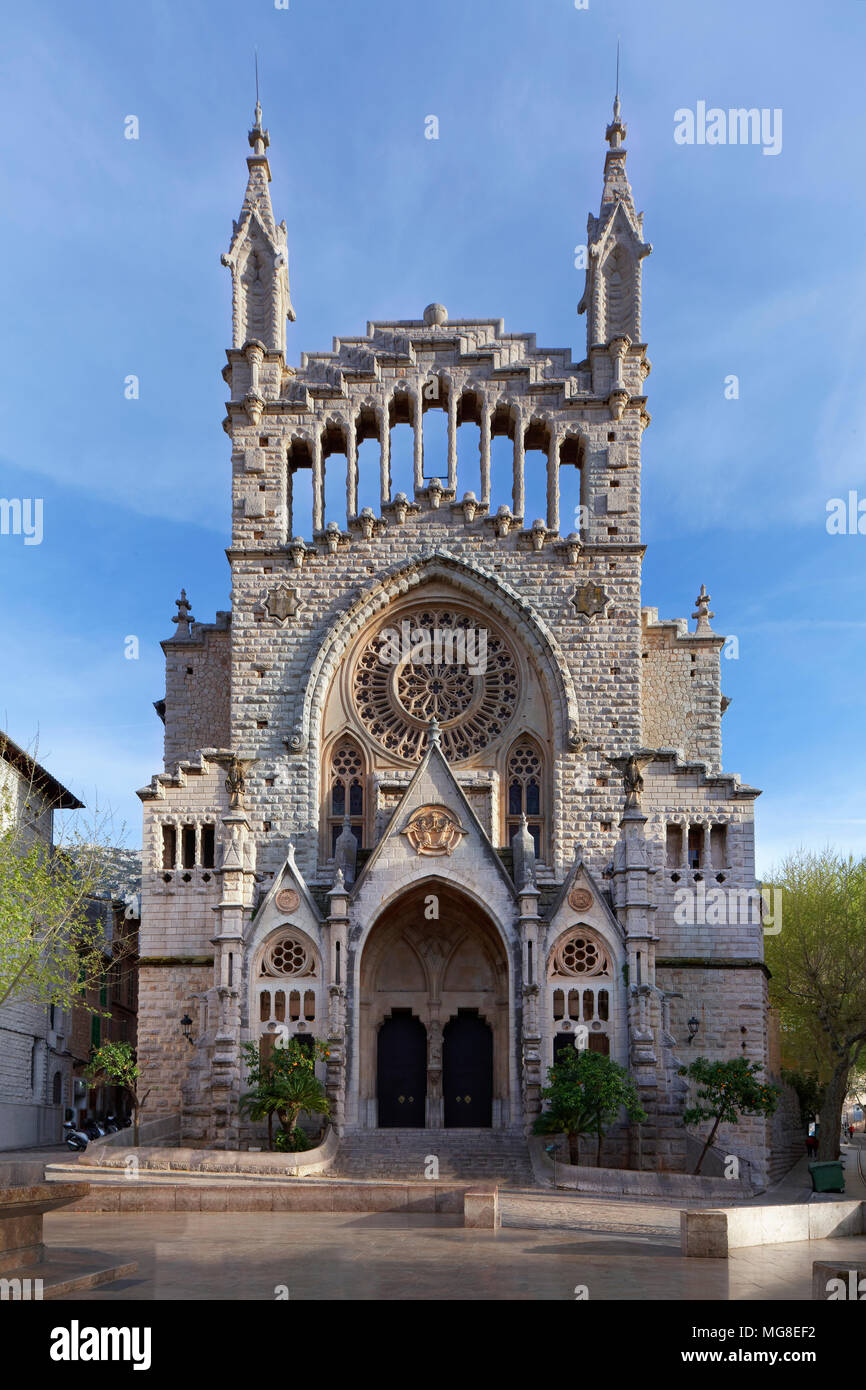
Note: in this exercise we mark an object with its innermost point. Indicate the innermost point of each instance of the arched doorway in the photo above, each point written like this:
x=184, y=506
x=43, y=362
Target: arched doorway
x=401, y=1071
x=467, y=1071
x=434, y=964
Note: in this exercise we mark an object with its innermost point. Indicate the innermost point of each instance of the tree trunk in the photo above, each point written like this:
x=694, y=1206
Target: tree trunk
x=270, y=1130
x=830, y=1114
x=598, y=1149
x=717, y=1122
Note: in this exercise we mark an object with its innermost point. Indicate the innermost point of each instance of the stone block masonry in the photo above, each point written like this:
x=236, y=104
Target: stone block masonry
x=447, y=875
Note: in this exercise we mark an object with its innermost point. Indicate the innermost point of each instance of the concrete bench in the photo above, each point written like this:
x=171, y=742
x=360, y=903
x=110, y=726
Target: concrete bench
x=713, y=1233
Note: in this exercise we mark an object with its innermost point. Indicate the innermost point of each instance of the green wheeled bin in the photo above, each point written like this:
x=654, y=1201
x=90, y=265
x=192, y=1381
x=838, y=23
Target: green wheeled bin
x=828, y=1176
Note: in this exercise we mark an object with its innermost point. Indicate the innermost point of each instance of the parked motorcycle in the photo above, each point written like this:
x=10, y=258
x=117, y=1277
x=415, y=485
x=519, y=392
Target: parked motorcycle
x=93, y=1129
x=75, y=1138
x=112, y=1125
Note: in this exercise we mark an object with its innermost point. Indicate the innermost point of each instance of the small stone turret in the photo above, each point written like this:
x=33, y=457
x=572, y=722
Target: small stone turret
x=616, y=246
x=259, y=259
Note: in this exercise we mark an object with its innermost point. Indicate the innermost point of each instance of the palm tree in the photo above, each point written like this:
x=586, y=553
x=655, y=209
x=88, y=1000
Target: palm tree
x=284, y=1086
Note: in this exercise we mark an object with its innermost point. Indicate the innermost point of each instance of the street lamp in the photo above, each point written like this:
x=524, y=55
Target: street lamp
x=186, y=1027
x=694, y=1025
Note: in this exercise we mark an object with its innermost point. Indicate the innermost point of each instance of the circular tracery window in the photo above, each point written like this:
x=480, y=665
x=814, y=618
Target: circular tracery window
x=463, y=674
x=581, y=954
x=287, y=956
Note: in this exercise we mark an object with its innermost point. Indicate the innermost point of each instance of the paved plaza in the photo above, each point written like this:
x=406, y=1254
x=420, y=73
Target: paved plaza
x=393, y=1257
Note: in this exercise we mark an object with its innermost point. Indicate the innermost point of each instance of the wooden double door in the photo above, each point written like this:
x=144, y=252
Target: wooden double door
x=467, y=1071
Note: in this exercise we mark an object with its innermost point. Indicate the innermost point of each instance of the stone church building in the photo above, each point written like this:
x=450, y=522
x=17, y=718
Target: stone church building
x=439, y=789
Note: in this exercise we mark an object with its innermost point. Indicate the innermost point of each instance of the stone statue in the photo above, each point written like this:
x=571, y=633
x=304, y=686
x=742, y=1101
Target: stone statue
x=236, y=782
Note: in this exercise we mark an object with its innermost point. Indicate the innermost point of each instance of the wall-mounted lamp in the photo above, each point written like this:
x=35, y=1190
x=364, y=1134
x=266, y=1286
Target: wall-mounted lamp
x=186, y=1027
x=694, y=1025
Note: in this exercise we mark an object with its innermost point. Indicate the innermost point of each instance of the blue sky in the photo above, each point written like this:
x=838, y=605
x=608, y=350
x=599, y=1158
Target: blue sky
x=111, y=251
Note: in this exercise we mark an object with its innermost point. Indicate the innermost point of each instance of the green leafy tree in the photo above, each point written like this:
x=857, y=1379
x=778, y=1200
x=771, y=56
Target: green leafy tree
x=283, y=1082
x=726, y=1092
x=52, y=948
x=818, y=983
x=586, y=1093
x=809, y=1093
x=114, y=1064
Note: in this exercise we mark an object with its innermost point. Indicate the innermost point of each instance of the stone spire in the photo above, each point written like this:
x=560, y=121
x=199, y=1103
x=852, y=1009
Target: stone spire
x=258, y=257
x=258, y=194
x=612, y=295
x=616, y=185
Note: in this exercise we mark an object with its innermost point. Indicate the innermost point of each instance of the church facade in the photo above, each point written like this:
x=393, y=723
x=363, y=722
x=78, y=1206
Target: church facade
x=439, y=789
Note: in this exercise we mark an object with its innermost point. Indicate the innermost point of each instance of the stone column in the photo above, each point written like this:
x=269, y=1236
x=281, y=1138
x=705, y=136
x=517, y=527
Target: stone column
x=318, y=485
x=255, y=358
x=486, y=422
x=553, y=481
x=530, y=1042
x=351, y=469
x=659, y=1144
x=385, y=456
x=519, y=465
x=706, y=849
x=232, y=911
x=418, y=435
x=435, y=1104
x=452, y=438
x=618, y=349
x=336, y=933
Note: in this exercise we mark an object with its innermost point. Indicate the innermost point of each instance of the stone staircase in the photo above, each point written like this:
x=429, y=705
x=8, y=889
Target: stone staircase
x=464, y=1155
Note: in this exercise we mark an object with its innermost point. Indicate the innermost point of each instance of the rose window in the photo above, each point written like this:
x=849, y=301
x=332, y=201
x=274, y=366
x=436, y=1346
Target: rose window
x=435, y=691
x=581, y=954
x=436, y=663
x=287, y=956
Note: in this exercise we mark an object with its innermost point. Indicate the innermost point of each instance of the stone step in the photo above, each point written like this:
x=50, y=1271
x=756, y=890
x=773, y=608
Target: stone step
x=461, y=1153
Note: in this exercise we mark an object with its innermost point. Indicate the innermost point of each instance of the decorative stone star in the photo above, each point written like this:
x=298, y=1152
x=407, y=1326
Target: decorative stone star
x=282, y=603
x=590, y=600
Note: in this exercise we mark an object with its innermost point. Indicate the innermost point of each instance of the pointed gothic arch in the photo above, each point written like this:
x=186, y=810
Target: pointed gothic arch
x=345, y=772
x=432, y=970
x=526, y=791
x=487, y=590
